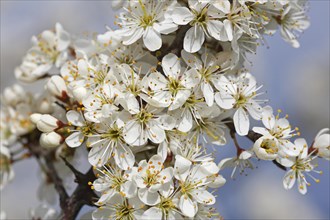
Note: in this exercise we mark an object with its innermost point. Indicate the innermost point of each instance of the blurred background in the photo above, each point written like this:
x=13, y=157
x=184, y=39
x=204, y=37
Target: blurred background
x=296, y=81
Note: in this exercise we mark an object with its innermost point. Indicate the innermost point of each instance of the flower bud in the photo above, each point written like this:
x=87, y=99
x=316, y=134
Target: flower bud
x=14, y=94
x=35, y=117
x=56, y=86
x=50, y=140
x=48, y=123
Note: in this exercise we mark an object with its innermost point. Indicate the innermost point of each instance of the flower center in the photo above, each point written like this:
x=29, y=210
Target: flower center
x=47, y=49
x=87, y=129
x=270, y=146
x=124, y=211
x=114, y=133
x=174, y=86
x=200, y=17
x=301, y=165
x=146, y=19
x=143, y=116
x=240, y=100
x=151, y=178
x=166, y=205
x=188, y=186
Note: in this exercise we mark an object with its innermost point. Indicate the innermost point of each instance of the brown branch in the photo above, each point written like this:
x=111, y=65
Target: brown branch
x=83, y=194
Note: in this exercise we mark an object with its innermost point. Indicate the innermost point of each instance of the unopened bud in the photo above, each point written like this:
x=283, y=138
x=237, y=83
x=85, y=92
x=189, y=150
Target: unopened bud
x=45, y=106
x=56, y=86
x=35, y=117
x=48, y=123
x=14, y=94
x=50, y=140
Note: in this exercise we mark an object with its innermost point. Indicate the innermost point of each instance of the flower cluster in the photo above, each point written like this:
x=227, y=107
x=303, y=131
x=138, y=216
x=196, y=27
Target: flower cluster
x=148, y=99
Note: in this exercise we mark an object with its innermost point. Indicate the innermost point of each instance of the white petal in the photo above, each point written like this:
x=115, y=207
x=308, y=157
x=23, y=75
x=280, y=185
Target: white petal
x=322, y=140
x=162, y=150
x=191, y=60
x=171, y=65
x=210, y=167
x=153, y=213
x=186, y=121
x=289, y=148
x=157, y=81
x=302, y=186
x=289, y=179
x=241, y=122
x=254, y=110
x=166, y=174
x=181, y=167
x=261, y=130
x=101, y=185
x=129, y=188
x=223, y=6
x=155, y=133
x=132, y=131
x=166, y=27
x=301, y=147
x=148, y=198
x=224, y=100
x=63, y=37
x=157, y=163
x=133, y=36
x=75, y=139
x=217, y=182
x=187, y=206
x=208, y=93
x=102, y=213
x=229, y=29
x=124, y=157
x=152, y=39
x=167, y=189
x=132, y=104
x=180, y=98
x=268, y=118
x=75, y=118
x=203, y=196
x=182, y=15
x=166, y=122
x=215, y=27
x=100, y=153
x=194, y=39
x=191, y=78
x=106, y=196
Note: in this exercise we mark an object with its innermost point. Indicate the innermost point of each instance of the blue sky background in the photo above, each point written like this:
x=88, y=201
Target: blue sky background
x=296, y=81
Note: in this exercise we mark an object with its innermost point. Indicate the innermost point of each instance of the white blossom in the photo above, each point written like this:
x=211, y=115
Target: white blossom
x=111, y=180
x=193, y=180
x=300, y=166
x=275, y=136
x=174, y=88
x=147, y=20
x=322, y=143
x=239, y=93
x=203, y=23
x=50, y=49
